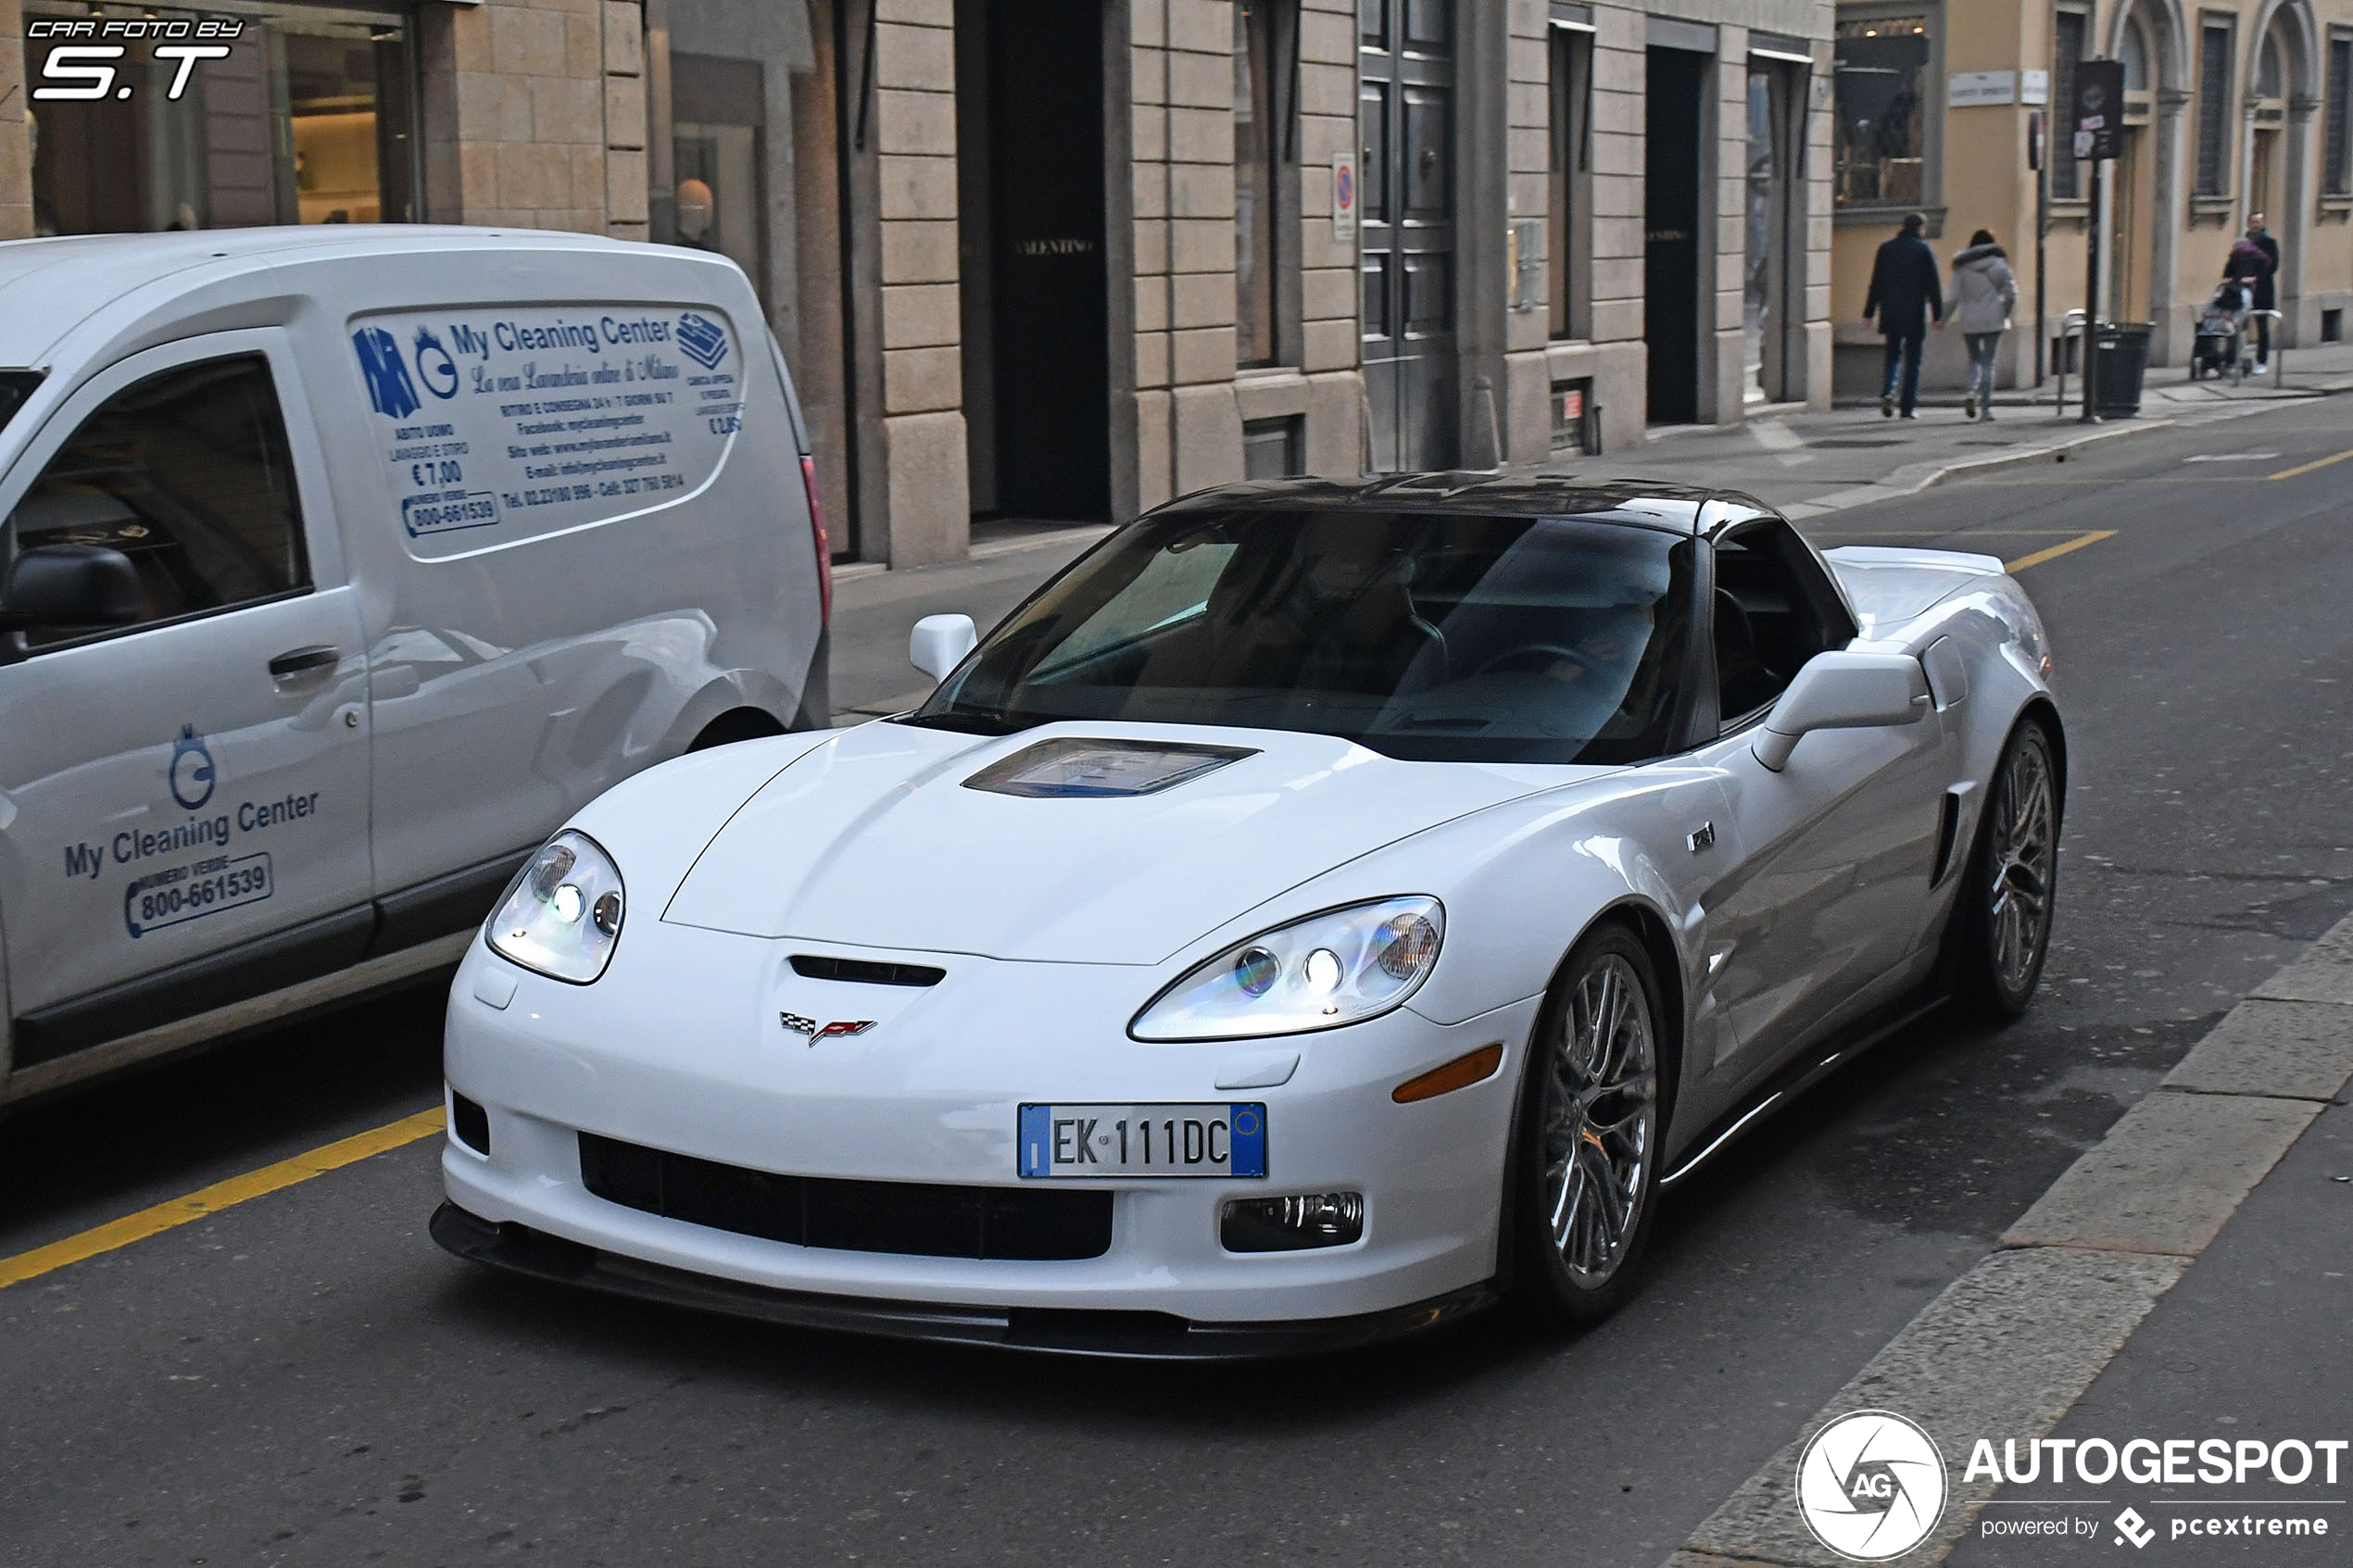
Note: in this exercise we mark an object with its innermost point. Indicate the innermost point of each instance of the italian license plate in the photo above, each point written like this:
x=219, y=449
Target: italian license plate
x=1142, y=1140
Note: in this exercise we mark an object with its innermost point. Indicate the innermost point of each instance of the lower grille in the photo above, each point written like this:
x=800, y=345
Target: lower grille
x=921, y=1219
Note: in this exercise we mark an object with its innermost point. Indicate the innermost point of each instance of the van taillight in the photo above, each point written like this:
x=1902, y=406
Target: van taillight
x=824, y=545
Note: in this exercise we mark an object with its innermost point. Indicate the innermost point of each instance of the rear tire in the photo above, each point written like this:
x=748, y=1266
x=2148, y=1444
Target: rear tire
x=1584, y=1169
x=2001, y=925
x=736, y=724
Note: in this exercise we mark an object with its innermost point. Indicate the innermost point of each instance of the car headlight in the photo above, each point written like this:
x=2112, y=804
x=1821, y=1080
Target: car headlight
x=1343, y=966
x=562, y=918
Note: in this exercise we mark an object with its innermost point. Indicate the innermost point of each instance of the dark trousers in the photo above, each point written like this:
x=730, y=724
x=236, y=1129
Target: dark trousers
x=2262, y=339
x=1903, y=356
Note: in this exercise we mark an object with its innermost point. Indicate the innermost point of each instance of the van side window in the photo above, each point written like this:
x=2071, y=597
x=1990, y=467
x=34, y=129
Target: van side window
x=1767, y=622
x=187, y=473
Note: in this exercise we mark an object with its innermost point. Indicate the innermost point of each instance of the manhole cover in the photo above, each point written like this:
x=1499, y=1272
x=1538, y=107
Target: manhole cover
x=1858, y=441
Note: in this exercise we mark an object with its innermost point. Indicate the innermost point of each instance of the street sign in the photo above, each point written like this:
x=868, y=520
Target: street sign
x=1980, y=89
x=2099, y=108
x=1344, y=198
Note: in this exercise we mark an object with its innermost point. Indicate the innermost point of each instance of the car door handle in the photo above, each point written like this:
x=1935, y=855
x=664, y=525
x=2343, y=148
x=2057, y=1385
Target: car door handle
x=296, y=662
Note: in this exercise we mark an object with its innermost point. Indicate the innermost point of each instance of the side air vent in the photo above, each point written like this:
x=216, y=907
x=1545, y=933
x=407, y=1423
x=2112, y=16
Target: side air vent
x=1947, y=827
x=813, y=966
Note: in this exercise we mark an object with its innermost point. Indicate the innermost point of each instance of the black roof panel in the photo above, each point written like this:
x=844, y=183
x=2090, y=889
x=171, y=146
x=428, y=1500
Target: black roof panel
x=1633, y=500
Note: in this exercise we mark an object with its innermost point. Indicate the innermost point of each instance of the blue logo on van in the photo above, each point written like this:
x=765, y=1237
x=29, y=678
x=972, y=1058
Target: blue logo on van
x=435, y=368
x=704, y=340
x=191, y=771
x=389, y=388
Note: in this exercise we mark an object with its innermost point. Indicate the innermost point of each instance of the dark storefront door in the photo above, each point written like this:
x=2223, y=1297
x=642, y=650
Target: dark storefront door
x=1405, y=170
x=1670, y=220
x=1030, y=109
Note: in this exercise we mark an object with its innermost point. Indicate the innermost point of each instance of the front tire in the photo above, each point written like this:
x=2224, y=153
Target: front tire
x=1585, y=1154
x=2002, y=926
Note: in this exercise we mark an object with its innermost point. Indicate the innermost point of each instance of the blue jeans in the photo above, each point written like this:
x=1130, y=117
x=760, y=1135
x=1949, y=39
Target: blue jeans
x=1903, y=354
x=1983, y=348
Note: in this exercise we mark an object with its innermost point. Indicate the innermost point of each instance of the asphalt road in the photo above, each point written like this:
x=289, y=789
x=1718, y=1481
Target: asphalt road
x=305, y=1378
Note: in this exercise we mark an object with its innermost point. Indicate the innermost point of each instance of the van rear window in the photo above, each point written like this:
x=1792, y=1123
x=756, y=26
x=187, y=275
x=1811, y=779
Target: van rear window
x=496, y=424
x=15, y=387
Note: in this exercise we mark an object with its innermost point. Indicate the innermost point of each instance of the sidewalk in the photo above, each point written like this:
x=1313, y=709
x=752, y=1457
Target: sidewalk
x=2184, y=1280
x=1807, y=463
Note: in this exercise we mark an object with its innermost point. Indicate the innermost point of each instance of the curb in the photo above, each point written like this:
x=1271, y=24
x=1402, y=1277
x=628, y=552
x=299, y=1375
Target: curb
x=1912, y=477
x=2010, y=1347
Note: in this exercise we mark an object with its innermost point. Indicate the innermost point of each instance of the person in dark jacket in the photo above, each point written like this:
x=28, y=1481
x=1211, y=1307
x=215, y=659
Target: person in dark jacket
x=1905, y=294
x=2251, y=264
x=2266, y=289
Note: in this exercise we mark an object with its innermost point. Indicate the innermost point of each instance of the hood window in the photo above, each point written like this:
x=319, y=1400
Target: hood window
x=15, y=387
x=1419, y=636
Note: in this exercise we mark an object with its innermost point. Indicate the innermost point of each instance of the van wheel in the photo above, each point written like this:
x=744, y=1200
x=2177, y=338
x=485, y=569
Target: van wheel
x=736, y=724
x=1592, y=1109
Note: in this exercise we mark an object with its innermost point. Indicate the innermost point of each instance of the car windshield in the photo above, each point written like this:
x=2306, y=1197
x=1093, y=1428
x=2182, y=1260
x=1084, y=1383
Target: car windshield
x=1520, y=639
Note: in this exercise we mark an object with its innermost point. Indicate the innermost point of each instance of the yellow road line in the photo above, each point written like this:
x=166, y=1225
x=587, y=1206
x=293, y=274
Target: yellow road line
x=2307, y=468
x=2039, y=556
x=219, y=1195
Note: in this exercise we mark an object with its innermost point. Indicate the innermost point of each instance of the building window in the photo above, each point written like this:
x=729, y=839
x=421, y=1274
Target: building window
x=1568, y=279
x=2337, y=158
x=1264, y=173
x=309, y=119
x=2067, y=172
x=1880, y=144
x=2213, y=109
x=717, y=107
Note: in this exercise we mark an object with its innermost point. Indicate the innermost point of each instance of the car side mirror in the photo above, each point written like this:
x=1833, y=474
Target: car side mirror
x=1842, y=690
x=70, y=585
x=939, y=643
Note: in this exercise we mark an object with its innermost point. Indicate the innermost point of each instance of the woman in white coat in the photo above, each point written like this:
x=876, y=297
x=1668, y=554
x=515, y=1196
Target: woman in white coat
x=1984, y=290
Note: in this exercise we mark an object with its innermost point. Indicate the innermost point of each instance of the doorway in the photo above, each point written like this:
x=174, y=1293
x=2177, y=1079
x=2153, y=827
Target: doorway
x=1405, y=231
x=1036, y=319
x=1773, y=235
x=1672, y=126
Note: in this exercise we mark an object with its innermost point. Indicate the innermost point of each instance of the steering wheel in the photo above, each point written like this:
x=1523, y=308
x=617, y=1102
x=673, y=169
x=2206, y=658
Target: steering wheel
x=1535, y=658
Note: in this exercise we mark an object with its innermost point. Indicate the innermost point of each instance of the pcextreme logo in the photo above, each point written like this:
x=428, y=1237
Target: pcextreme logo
x=1871, y=1485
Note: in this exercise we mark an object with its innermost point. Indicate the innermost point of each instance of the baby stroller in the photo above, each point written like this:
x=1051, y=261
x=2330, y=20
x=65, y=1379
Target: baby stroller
x=2221, y=334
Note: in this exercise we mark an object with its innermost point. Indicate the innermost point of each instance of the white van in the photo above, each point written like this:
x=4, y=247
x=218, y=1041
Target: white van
x=338, y=567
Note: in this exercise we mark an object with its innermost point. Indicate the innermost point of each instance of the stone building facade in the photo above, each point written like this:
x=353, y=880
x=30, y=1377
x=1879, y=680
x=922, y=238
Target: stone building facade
x=1065, y=259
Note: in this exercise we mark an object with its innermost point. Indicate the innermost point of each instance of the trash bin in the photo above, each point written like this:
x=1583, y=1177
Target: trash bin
x=2124, y=359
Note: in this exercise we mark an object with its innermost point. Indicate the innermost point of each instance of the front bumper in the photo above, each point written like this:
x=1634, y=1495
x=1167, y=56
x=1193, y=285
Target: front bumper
x=1075, y=1331
x=698, y=1065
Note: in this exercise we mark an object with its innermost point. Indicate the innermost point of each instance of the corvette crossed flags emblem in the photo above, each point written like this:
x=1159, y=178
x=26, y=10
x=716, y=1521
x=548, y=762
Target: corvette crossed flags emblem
x=836, y=1030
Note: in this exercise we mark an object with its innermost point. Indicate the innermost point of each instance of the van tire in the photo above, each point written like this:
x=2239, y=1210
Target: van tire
x=736, y=724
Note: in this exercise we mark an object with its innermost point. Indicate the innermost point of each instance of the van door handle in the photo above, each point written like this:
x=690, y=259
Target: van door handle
x=295, y=663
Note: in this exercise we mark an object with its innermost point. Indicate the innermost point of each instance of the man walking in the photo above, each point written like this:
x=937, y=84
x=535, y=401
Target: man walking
x=1905, y=294
x=2266, y=288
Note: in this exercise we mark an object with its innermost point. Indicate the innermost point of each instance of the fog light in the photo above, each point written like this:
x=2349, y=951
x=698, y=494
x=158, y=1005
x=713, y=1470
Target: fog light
x=1290, y=1224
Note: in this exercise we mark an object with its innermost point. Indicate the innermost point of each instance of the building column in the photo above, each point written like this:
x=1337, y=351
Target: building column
x=926, y=494
x=2300, y=188
x=1723, y=257
x=2175, y=318
x=1524, y=395
x=512, y=102
x=1330, y=332
x=1821, y=314
x=16, y=141
x=627, y=148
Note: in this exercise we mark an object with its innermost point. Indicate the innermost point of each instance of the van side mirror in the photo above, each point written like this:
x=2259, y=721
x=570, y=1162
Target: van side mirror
x=939, y=643
x=1840, y=690
x=70, y=585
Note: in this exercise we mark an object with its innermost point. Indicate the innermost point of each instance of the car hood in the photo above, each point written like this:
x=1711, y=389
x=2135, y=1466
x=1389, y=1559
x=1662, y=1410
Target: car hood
x=873, y=839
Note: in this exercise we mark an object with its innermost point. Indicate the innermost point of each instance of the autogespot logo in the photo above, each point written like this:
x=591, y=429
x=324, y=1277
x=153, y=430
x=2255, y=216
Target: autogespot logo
x=1871, y=1485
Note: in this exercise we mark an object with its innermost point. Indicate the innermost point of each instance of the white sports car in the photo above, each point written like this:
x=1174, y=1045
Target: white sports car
x=1321, y=909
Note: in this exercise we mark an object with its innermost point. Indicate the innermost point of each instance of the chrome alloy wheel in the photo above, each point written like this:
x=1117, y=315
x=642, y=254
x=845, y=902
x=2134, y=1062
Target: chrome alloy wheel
x=2022, y=837
x=1601, y=1119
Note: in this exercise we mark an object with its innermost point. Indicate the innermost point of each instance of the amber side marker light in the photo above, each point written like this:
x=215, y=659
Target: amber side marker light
x=1459, y=1073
